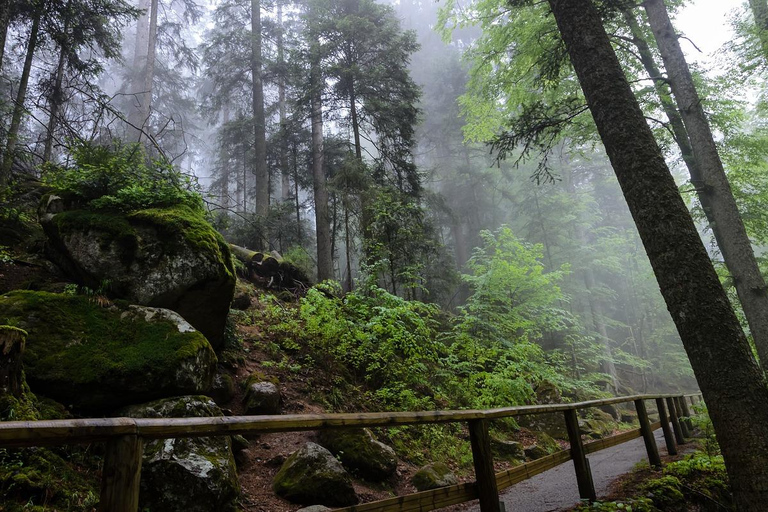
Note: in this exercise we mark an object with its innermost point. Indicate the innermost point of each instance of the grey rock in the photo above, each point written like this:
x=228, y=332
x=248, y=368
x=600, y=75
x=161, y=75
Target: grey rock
x=507, y=450
x=262, y=398
x=361, y=453
x=161, y=258
x=189, y=474
x=312, y=475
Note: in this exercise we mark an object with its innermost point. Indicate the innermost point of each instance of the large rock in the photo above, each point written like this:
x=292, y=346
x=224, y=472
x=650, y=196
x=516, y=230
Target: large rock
x=361, y=453
x=101, y=357
x=169, y=258
x=311, y=476
x=187, y=474
x=433, y=476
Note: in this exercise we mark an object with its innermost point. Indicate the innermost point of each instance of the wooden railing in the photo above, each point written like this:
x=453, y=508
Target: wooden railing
x=125, y=439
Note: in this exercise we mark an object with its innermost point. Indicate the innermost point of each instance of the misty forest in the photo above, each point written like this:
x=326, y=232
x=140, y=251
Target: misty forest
x=233, y=214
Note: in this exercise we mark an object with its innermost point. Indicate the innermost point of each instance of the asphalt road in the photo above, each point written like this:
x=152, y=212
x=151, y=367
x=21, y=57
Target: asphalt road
x=556, y=489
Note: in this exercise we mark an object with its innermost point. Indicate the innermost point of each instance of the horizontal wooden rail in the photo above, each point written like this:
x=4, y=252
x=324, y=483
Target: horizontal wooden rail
x=58, y=432
x=125, y=437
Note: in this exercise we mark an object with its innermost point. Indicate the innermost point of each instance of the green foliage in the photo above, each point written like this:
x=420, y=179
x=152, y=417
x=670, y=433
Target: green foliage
x=633, y=505
x=513, y=297
x=120, y=177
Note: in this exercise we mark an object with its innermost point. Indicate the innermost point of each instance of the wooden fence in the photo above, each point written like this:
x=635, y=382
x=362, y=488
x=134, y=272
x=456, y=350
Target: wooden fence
x=125, y=439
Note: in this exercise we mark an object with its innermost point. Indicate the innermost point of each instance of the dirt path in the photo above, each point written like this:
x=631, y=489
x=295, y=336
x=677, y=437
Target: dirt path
x=556, y=489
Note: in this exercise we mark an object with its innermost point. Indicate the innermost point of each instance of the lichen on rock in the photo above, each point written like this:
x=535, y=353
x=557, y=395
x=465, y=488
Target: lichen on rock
x=189, y=474
x=161, y=257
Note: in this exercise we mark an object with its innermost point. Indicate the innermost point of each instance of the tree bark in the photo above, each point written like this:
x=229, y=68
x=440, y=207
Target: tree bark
x=285, y=173
x=260, y=171
x=715, y=189
x=5, y=20
x=730, y=380
x=144, y=67
x=55, y=102
x=18, y=107
x=320, y=187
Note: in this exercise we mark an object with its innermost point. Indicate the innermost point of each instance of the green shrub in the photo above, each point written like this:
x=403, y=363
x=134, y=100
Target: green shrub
x=120, y=177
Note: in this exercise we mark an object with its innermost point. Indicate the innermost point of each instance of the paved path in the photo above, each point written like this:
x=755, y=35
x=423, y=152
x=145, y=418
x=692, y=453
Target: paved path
x=556, y=489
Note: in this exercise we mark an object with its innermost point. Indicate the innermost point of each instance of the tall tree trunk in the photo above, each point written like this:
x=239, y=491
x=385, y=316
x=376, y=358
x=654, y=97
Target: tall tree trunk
x=57, y=98
x=260, y=171
x=5, y=21
x=718, y=198
x=18, y=107
x=607, y=366
x=320, y=187
x=730, y=380
x=285, y=173
x=144, y=68
x=759, y=10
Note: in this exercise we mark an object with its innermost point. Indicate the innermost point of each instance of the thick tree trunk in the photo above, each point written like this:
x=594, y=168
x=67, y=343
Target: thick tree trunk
x=320, y=187
x=5, y=20
x=714, y=189
x=260, y=171
x=18, y=107
x=732, y=383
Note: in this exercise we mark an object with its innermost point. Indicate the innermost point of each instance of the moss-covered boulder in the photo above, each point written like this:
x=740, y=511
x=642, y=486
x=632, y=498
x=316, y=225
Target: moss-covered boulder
x=433, y=476
x=100, y=356
x=312, y=476
x=535, y=452
x=361, y=453
x=164, y=257
x=188, y=474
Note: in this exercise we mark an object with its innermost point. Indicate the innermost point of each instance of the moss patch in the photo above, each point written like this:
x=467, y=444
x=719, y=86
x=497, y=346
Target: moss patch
x=196, y=231
x=90, y=356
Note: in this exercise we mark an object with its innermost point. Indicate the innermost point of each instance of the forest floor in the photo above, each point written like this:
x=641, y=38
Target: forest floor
x=260, y=462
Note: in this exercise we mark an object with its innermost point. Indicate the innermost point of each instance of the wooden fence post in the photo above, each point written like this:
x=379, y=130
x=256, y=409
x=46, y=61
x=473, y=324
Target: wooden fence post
x=675, y=423
x=668, y=437
x=687, y=414
x=682, y=417
x=645, y=430
x=484, y=472
x=121, y=474
x=579, y=456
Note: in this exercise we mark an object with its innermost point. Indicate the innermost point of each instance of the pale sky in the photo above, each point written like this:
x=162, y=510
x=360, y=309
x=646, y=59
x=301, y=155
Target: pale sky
x=706, y=23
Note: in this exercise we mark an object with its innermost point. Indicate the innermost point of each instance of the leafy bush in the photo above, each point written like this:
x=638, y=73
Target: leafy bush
x=120, y=177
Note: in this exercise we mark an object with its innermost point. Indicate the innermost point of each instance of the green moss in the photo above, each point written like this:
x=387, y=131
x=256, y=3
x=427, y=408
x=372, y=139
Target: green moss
x=112, y=228
x=665, y=492
x=38, y=477
x=197, y=232
x=74, y=342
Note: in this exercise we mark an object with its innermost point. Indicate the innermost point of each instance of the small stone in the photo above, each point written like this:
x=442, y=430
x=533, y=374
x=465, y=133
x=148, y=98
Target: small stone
x=223, y=387
x=314, y=508
x=535, y=452
x=433, y=476
x=507, y=450
x=262, y=398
